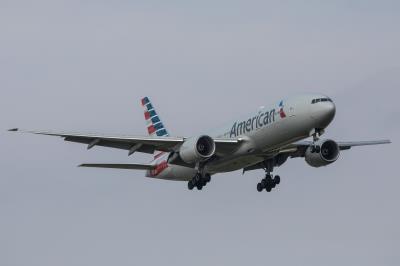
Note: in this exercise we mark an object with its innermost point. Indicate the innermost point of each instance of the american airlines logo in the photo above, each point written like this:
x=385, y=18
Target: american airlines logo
x=281, y=111
x=256, y=122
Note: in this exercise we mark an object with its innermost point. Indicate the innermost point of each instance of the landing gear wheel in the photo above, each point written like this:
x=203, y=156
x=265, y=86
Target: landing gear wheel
x=259, y=187
x=199, y=186
x=315, y=149
x=190, y=185
x=263, y=183
x=268, y=188
x=196, y=179
x=201, y=182
x=207, y=178
x=277, y=180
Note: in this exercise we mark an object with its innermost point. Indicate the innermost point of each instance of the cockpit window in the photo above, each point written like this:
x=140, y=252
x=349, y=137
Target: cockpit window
x=321, y=100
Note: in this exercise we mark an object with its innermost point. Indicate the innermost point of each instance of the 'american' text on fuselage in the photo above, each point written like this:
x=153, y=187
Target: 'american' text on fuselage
x=259, y=121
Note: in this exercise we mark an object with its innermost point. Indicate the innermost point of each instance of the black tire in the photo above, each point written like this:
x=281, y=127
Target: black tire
x=259, y=187
x=269, y=182
x=264, y=183
x=190, y=185
x=199, y=186
x=268, y=188
x=207, y=177
x=277, y=179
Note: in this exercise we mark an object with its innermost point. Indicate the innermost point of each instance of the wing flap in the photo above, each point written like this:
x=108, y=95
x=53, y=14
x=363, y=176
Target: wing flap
x=227, y=146
x=120, y=166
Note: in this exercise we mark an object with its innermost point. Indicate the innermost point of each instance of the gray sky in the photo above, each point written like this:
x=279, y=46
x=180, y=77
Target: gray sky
x=84, y=65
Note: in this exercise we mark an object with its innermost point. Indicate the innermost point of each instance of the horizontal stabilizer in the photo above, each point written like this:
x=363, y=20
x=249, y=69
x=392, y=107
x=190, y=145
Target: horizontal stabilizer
x=120, y=166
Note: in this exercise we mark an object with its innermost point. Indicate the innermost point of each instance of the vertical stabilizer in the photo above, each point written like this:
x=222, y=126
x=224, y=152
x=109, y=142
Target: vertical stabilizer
x=155, y=126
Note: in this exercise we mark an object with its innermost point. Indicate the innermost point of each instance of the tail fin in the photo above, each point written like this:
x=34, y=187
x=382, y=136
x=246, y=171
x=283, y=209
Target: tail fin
x=154, y=125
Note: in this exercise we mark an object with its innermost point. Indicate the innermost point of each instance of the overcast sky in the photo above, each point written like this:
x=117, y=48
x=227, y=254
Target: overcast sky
x=84, y=65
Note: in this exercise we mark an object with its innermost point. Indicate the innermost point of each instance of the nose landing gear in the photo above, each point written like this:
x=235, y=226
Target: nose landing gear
x=316, y=133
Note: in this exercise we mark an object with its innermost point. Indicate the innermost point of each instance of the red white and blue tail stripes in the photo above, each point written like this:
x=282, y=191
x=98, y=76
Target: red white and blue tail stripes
x=154, y=125
x=155, y=128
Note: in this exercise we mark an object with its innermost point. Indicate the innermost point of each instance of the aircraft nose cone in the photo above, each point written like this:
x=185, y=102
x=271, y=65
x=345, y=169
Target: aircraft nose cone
x=323, y=114
x=328, y=112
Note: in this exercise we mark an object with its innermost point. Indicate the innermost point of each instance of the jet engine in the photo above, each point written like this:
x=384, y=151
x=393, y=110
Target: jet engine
x=323, y=153
x=197, y=149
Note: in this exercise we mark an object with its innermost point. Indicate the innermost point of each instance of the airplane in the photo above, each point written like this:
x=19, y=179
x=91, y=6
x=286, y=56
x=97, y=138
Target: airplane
x=264, y=140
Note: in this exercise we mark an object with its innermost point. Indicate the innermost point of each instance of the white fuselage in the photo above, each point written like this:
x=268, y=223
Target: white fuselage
x=266, y=131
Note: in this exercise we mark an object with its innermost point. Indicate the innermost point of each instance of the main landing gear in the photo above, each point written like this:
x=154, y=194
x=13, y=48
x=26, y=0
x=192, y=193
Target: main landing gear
x=199, y=181
x=268, y=183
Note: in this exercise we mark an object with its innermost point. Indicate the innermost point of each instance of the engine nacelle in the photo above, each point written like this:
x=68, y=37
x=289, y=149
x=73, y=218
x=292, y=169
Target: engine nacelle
x=327, y=152
x=197, y=149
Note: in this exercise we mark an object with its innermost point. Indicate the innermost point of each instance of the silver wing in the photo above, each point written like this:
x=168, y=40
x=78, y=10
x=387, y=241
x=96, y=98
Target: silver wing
x=133, y=144
x=298, y=149
x=301, y=146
